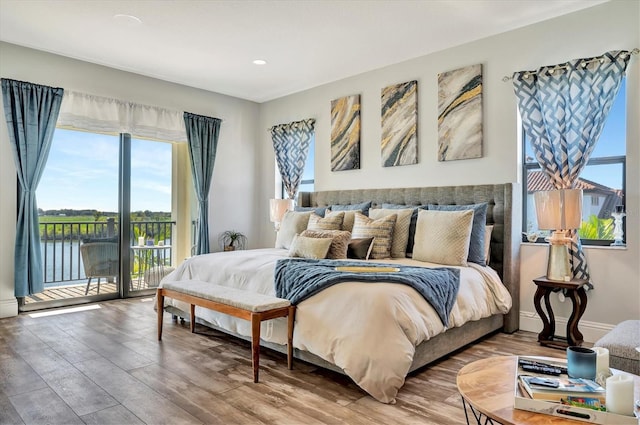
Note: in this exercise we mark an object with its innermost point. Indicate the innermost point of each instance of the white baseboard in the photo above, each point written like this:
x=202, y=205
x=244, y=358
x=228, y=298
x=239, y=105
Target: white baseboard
x=8, y=308
x=591, y=331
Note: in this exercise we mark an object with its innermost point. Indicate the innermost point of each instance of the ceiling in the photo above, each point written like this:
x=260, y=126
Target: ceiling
x=211, y=44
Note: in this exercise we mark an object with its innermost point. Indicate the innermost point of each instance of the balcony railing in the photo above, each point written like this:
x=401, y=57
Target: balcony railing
x=61, y=242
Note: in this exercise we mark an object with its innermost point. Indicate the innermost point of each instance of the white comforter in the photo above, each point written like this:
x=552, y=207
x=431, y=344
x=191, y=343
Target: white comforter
x=368, y=330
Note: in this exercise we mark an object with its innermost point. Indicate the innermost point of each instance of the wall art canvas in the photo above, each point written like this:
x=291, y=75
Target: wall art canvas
x=460, y=114
x=345, y=133
x=399, y=145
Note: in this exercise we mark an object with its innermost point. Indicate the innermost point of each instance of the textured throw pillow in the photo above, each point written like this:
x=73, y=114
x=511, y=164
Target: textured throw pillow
x=487, y=242
x=412, y=224
x=380, y=230
x=339, y=244
x=318, y=210
x=476, y=244
x=350, y=212
x=443, y=237
x=315, y=248
x=400, y=230
x=360, y=249
x=330, y=222
x=292, y=224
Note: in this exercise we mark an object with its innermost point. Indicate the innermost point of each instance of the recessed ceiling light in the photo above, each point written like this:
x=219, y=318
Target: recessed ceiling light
x=128, y=20
x=260, y=62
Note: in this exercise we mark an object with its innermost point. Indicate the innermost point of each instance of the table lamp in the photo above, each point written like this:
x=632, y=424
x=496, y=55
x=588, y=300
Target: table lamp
x=277, y=209
x=559, y=210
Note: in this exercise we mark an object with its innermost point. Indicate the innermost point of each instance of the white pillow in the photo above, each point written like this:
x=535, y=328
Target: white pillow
x=292, y=224
x=443, y=237
x=302, y=246
x=400, y=230
x=488, y=229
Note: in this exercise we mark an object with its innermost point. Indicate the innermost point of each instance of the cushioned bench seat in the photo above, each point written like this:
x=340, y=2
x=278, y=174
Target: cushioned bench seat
x=235, y=302
x=623, y=343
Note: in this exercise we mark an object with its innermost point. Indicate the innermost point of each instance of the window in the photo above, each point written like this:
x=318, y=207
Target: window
x=602, y=180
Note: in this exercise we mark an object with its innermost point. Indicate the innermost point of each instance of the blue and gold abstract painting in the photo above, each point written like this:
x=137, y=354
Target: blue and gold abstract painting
x=345, y=133
x=399, y=143
x=460, y=114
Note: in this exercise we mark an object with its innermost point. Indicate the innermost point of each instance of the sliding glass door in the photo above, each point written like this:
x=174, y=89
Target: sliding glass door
x=106, y=225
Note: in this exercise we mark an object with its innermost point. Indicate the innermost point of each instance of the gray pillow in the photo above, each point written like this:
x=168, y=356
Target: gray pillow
x=293, y=223
x=318, y=210
x=360, y=249
x=363, y=207
x=476, y=244
x=412, y=223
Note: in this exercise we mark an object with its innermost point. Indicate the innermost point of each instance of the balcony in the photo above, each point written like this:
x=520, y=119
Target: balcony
x=64, y=273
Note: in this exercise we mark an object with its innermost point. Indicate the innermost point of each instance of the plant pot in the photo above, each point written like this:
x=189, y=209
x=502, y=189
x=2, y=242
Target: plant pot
x=229, y=248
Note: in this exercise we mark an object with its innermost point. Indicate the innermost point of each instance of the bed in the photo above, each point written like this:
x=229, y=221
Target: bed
x=343, y=328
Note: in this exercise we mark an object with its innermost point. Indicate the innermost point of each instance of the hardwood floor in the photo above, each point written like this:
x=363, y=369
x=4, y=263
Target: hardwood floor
x=105, y=366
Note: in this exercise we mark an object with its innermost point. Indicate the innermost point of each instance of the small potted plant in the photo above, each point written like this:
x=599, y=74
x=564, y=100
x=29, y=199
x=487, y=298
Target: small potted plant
x=230, y=240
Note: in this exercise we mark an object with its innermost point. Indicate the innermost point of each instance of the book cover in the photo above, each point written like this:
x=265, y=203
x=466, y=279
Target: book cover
x=559, y=388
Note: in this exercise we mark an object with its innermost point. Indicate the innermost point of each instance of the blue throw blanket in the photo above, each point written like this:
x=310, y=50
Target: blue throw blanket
x=298, y=279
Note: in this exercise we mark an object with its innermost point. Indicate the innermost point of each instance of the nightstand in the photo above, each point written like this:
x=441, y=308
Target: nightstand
x=575, y=291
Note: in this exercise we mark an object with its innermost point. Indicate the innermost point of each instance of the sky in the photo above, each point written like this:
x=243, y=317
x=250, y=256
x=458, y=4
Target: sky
x=82, y=173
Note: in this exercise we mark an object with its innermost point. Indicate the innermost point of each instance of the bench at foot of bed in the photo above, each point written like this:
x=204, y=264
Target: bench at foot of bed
x=234, y=302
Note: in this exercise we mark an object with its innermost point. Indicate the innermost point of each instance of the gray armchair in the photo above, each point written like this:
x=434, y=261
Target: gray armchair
x=100, y=259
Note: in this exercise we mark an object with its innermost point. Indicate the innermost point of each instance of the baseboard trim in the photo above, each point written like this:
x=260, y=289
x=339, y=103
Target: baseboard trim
x=592, y=331
x=8, y=308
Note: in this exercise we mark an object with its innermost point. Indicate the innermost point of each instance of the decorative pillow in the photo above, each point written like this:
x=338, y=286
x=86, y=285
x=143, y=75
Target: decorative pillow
x=443, y=237
x=360, y=249
x=330, y=222
x=476, y=244
x=488, y=229
x=292, y=224
x=350, y=212
x=309, y=247
x=318, y=210
x=412, y=224
x=400, y=230
x=380, y=230
x=339, y=245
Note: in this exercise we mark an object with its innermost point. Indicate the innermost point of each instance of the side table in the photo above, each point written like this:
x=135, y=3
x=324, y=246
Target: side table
x=575, y=291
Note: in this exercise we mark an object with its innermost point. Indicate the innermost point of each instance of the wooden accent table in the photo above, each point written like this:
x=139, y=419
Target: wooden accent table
x=487, y=388
x=575, y=291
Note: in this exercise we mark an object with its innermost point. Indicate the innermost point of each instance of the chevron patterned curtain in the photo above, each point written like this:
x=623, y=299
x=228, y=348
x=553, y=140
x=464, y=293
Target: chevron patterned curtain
x=291, y=146
x=563, y=109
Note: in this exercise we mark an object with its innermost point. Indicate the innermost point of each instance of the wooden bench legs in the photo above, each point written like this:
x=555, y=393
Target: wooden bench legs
x=256, y=319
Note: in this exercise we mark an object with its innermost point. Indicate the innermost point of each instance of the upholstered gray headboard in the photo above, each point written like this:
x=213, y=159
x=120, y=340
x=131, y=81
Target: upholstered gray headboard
x=504, y=212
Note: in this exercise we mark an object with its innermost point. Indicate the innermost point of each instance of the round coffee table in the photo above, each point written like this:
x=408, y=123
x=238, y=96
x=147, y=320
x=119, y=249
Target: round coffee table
x=487, y=388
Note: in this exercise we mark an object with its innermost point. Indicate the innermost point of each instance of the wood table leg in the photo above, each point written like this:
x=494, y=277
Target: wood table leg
x=291, y=321
x=192, y=312
x=547, y=330
x=255, y=344
x=579, y=300
x=160, y=308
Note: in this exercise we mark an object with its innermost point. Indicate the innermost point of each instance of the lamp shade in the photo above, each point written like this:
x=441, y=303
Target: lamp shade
x=278, y=207
x=559, y=209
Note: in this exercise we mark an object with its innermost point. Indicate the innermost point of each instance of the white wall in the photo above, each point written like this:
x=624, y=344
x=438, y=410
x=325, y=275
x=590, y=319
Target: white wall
x=234, y=172
x=591, y=32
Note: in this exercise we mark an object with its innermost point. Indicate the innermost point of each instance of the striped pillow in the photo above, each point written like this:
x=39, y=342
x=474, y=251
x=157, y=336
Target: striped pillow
x=330, y=222
x=380, y=230
x=400, y=230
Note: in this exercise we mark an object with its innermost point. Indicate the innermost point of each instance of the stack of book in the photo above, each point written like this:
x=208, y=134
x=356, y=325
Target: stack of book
x=542, y=386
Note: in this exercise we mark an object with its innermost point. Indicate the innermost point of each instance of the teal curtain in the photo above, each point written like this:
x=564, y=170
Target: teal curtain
x=202, y=139
x=563, y=109
x=31, y=111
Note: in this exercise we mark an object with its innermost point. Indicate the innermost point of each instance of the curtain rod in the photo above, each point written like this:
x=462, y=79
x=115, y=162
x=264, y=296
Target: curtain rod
x=558, y=67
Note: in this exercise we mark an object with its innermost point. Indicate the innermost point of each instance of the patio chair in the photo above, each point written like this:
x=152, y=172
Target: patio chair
x=100, y=259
